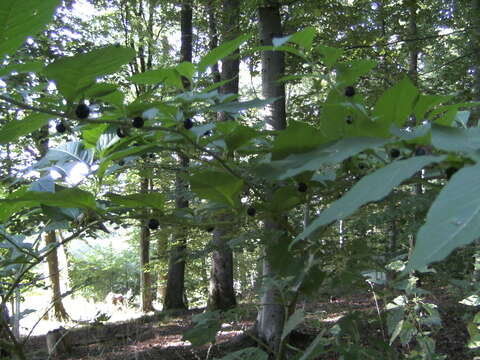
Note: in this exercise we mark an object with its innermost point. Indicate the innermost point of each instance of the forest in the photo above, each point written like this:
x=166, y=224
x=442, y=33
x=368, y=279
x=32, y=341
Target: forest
x=239, y=179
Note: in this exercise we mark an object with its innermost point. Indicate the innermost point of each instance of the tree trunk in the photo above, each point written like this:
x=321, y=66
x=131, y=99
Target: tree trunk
x=271, y=315
x=221, y=291
x=475, y=43
x=145, y=274
x=59, y=312
x=175, y=291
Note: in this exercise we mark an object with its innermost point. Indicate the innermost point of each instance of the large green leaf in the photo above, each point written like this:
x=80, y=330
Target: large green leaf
x=220, y=52
x=452, y=221
x=304, y=38
x=16, y=128
x=293, y=322
x=237, y=106
x=34, y=66
x=152, y=200
x=165, y=76
x=68, y=198
x=236, y=135
x=397, y=103
x=466, y=141
x=75, y=74
x=217, y=186
x=313, y=160
x=298, y=137
x=348, y=73
x=372, y=187
x=19, y=19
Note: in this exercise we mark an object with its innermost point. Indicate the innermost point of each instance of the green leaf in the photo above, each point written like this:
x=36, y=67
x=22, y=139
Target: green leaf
x=452, y=221
x=284, y=199
x=68, y=198
x=465, y=141
x=329, y=154
x=425, y=103
x=396, y=104
x=152, y=200
x=251, y=353
x=237, y=106
x=186, y=69
x=105, y=162
x=165, y=76
x=293, y=322
x=75, y=74
x=298, y=137
x=348, y=73
x=304, y=38
x=235, y=134
x=34, y=66
x=207, y=325
x=16, y=128
x=19, y=19
x=372, y=187
x=217, y=186
x=330, y=55
x=220, y=52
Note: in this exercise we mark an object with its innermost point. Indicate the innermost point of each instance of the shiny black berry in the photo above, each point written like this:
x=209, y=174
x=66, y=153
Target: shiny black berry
x=120, y=133
x=251, y=211
x=138, y=122
x=450, y=171
x=210, y=228
x=349, y=120
x=394, y=153
x=121, y=162
x=362, y=166
x=61, y=128
x=82, y=111
x=349, y=91
x=188, y=124
x=420, y=151
x=153, y=224
x=302, y=187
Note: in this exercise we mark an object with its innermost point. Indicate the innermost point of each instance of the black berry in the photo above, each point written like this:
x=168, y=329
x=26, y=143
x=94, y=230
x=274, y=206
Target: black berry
x=120, y=133
x=420, y=151
x=153, y=224
x=138, y=122
x=207, y=133
x=450, y=171
x=210, y=228
x=349, y=91
x=302, y=187
x=82, y=111
x=349, y=120
x=394, y=153
x=362, y=166
x=188, y=124
x=151, y=156
x=251, y=211
x=121, y=162
x=61, y=128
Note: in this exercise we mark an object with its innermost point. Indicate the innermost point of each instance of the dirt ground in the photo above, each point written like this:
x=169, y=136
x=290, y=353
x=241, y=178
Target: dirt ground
x=160, y=336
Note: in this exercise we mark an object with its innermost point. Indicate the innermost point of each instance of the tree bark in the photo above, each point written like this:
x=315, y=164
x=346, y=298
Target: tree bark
x=175, y=290
x=475, y=41
x=145, y=274
x=413, y=47
x=221, y=290
x=59, y=311
x=271, y=315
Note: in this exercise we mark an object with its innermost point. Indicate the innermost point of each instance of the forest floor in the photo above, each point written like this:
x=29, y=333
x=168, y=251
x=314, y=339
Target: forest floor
x=159, y=336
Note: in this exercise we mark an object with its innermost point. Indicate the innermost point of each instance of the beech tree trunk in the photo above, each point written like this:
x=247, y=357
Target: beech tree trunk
x=145, y=273
x=221, y=291
x=271, y=315
x=175, y=290
x=59, y=312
